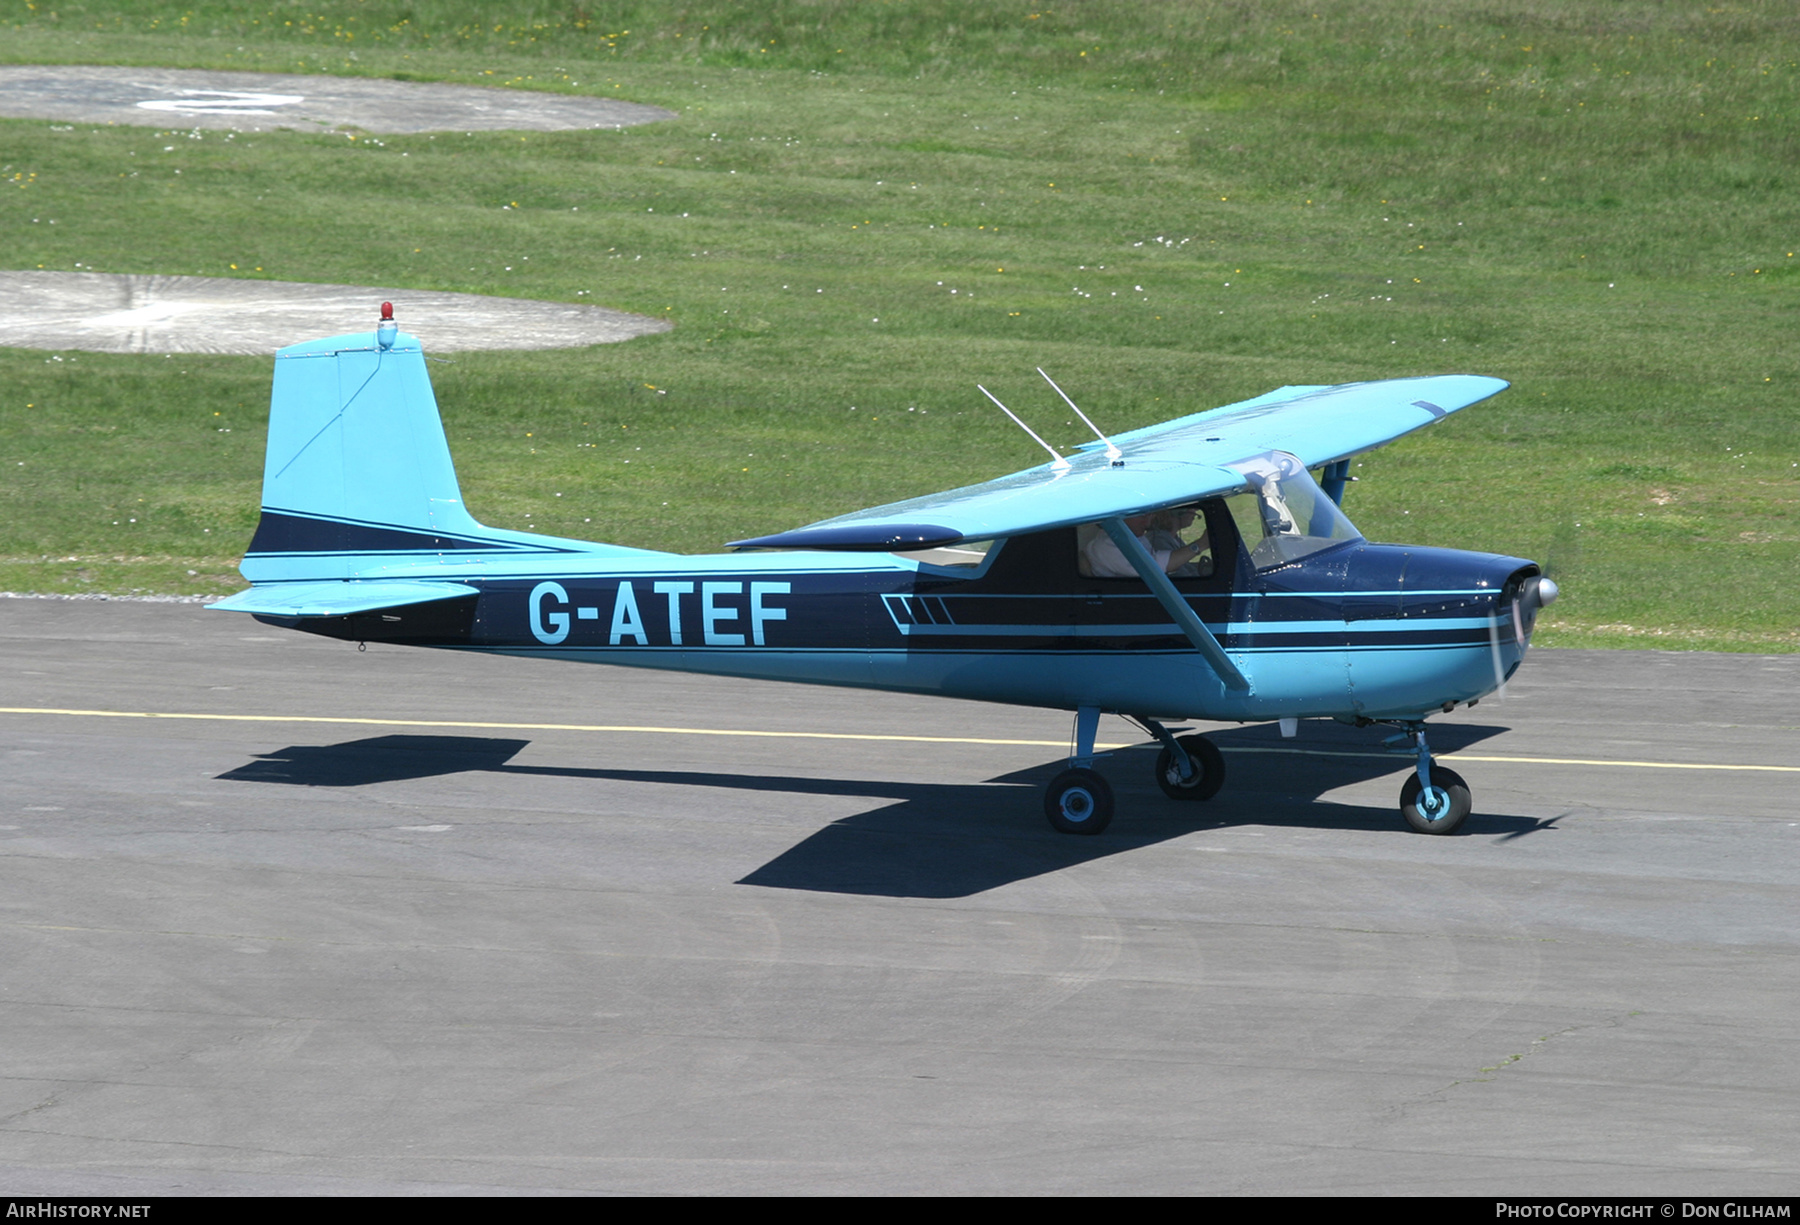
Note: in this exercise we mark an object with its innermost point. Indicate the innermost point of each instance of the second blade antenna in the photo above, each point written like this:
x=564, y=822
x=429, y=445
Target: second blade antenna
x=1112, y=452
x=1056, y=461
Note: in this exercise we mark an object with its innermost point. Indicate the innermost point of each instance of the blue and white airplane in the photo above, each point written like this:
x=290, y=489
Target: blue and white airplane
x=1043, y=588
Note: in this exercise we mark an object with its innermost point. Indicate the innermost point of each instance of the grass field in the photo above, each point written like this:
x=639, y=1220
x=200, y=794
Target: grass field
x=866, y=208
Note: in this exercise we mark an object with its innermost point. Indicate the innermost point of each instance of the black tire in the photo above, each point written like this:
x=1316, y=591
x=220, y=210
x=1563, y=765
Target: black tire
x=1443, y=779
x=1210, y=762
x=1078, y=802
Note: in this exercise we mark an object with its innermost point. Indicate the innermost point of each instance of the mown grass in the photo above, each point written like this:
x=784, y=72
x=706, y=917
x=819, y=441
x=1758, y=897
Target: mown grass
x=1592, y=200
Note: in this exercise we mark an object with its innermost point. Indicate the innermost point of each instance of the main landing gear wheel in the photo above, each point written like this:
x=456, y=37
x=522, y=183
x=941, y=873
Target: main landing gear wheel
x=1443, y=810
x=1078, y=802
x=1209, y=767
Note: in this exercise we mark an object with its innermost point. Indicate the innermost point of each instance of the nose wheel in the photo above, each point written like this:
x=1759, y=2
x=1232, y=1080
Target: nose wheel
x=1440, y=808
x=1434, y=799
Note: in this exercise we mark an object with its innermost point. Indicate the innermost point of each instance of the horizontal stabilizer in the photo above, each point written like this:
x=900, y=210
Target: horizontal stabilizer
x=337, y=599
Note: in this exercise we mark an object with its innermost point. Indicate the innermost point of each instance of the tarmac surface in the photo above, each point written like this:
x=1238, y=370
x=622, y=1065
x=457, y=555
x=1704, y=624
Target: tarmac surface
x=106, y=312
x=426, y=923
x=264, y=101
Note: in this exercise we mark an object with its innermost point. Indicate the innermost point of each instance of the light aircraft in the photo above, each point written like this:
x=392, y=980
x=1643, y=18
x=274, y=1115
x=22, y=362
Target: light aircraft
x=981, y=592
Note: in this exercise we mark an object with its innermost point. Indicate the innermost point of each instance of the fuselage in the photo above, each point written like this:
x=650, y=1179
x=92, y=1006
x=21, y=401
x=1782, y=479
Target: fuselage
x=1356, y=630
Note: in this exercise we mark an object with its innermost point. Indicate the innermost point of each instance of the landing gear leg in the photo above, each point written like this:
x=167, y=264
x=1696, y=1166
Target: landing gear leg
x=1079, y=800
x=1435, y=800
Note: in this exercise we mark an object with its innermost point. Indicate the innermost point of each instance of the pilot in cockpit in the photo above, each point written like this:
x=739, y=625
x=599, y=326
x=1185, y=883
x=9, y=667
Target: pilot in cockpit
x=1159, y=533
x=1165, y=531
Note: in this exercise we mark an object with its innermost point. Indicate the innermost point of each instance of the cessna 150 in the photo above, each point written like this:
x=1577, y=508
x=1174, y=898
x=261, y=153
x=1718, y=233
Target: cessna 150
x=1278, y=610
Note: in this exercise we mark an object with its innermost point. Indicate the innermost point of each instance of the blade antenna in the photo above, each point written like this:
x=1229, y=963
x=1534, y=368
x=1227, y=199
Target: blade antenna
x=1112, y=452
x=1056, y=461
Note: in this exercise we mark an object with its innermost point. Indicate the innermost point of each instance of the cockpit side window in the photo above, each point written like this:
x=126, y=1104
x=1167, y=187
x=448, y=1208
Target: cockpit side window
x=1176, y=536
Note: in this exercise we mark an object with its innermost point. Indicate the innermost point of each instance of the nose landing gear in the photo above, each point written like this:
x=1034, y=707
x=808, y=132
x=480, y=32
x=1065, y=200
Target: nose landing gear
x=1435, y=799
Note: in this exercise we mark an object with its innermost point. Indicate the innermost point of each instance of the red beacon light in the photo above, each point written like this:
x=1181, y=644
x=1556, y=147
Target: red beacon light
x=388, y=329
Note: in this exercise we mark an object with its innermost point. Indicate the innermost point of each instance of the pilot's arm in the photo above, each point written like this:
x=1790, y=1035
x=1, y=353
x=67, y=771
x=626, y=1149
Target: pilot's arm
x=1187, y=554
x=1184, y=559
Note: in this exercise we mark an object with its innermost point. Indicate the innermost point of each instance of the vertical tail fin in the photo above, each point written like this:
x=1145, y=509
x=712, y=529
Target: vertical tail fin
x=358, y=483
x=357, y=459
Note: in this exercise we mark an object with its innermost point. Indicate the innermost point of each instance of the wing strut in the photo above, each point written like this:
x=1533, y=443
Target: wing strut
x=1173, y=604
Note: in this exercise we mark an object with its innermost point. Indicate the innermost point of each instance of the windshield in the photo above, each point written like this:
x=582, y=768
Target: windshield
x=1285, y=515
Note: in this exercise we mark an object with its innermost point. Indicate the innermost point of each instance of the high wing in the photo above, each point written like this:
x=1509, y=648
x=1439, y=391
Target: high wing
x=1159, y=465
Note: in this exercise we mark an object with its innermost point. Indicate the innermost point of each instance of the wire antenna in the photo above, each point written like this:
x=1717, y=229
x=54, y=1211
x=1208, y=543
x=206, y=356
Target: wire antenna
x=1112, y=452
x=1056, y=461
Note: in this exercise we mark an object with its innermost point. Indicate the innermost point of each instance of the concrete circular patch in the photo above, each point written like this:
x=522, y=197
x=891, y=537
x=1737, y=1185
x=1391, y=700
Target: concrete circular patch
x=262, y=101
x=104, y=312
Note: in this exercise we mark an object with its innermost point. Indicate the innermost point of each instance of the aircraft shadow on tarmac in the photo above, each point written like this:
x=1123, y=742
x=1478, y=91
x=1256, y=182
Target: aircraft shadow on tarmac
x=942, y=840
